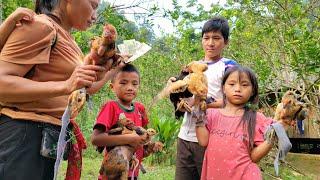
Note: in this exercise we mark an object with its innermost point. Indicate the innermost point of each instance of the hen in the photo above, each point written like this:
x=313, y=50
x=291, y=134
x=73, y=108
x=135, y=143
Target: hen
x=290, y=108
x=191, y=82
x=103, y=49
x=120, y=159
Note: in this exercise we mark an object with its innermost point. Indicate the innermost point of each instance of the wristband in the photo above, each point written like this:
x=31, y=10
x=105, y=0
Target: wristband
x=210, y=100
x=200, y=123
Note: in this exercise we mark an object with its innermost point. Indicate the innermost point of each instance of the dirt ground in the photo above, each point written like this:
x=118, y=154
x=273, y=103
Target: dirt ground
x=300, y=166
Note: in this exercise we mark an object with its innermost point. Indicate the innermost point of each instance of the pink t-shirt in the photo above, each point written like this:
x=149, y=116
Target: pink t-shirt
x=109, y=116
x=227, y=154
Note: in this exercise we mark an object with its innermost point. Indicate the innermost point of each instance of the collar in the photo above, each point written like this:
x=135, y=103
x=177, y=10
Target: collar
x=131, y=109
x=209, y=62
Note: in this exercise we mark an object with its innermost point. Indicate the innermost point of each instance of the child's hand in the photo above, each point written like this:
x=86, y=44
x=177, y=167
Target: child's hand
x=136, y=140
x=21, y=14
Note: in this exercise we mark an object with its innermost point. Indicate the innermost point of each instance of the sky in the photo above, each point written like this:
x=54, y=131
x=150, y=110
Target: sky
x=159, y=23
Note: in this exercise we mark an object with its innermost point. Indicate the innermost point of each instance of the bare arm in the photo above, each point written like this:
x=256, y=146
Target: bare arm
x=96, y=86
x=202, y=135
x=15, y=88
x=263, y=149
x=99, y=138
x=260, y=151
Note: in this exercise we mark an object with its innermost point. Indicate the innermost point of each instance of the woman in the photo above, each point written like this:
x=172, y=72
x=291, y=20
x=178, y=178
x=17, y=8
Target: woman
x=39, y=68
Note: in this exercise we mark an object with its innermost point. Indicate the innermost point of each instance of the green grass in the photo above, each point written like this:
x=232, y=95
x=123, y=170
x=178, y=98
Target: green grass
x=158, y=173
x=91, y=168
x=303, y=167
x=307, y=164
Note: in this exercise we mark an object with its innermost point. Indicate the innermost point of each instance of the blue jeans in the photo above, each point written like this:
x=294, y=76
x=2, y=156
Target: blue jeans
x=20, y=158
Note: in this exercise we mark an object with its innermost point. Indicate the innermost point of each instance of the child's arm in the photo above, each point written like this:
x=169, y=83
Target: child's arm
x=202, y=135
x=260, y=151
x=10, y=23
x=201, y=130
x=263, y=149
x=100, y=138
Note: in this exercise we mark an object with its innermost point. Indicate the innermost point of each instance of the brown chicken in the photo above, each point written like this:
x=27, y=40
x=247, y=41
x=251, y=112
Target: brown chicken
x=120, y=159
x=197, y=82
x=192, y=81
x=102, y=52
x=103, y=48
x=289, y=108
x=76, y=102
x=149, y=148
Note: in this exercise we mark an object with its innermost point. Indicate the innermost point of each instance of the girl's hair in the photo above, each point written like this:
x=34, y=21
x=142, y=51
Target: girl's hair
x=250, y=113
x=45, y=6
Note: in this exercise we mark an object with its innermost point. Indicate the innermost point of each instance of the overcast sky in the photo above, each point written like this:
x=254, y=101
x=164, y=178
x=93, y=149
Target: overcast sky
x=159, y=23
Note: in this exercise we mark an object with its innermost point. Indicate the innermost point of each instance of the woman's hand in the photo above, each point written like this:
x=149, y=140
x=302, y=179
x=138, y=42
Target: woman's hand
x=109, y=66
x=83, y=76
x=107, y=75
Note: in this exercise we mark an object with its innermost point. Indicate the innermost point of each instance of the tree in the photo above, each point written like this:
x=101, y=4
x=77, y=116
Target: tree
x=8, y=6
x=280, y=40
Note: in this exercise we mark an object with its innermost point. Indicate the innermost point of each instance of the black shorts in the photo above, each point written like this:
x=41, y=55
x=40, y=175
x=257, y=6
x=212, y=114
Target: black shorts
x=20, y=157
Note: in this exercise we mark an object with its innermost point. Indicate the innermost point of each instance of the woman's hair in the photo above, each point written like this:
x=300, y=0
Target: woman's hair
x=45, y=6
x=250, y=113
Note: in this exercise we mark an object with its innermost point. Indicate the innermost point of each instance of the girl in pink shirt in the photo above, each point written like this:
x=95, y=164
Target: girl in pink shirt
x=234, y=134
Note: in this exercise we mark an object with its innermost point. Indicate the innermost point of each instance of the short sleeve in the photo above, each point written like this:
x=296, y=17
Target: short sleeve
x=30, y=43
x=262, y=124
x=229, y=63
x=144, y=116
x=210, y=118
x=106, y=116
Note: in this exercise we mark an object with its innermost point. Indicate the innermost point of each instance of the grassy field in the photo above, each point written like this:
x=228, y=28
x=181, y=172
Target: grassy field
x=309, y=165
x=300, y=166
x=91, y=168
